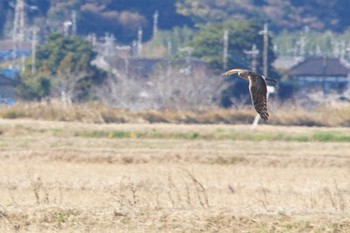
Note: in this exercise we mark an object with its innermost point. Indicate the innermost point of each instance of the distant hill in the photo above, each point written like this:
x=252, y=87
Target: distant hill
x=123, y=17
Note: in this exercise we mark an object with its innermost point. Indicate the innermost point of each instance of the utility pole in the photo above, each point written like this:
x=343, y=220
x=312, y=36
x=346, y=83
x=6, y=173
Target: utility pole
x=123, y=52
x=225, y=52
x=265, y=34
x=134, y=48
x=253, y=53
x=139, y=42
x=109, y=41
x=22, y=65
x=34, y=43
x=169, y=47
x=19, y=20
x=347, y=51
x=92, y=39
x=66, y=26
x=188, y=50
x=318, y=51
x=74, y=22
x=18, y=26
x=301, y=43
x=155, y=23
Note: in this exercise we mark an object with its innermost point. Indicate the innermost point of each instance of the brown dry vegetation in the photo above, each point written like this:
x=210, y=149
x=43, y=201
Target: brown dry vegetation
x=337, y=115
x=85, y=177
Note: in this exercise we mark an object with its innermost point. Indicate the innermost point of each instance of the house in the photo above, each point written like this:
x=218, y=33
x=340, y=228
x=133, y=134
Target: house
x=326, y=74
x=143, y=68
x=7, y=87
x=7, y=53
x=284, y=63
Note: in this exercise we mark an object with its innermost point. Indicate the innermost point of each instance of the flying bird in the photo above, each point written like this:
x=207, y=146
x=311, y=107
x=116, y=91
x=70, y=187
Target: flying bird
x=257, y=89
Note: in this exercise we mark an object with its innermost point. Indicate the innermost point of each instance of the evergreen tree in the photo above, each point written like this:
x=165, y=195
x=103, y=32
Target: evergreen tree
x=63, y=69
x=208, y=43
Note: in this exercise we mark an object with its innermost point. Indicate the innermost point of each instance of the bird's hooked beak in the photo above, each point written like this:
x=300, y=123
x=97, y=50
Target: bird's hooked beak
x=233, y=71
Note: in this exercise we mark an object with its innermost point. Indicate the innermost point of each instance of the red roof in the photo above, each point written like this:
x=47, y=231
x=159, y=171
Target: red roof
x=322, y=67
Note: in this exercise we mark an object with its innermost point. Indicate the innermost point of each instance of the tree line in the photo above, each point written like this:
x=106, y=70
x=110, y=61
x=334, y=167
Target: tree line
x=123, y=17
x=64, y=68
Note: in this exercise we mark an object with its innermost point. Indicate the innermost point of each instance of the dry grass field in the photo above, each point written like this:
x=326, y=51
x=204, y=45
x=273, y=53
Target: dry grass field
x=85, y=177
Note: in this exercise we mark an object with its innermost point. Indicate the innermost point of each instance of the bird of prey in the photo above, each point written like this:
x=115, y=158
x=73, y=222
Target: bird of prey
x=257, y=89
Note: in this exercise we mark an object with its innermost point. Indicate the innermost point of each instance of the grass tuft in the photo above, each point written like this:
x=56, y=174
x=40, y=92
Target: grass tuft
x=330, y=137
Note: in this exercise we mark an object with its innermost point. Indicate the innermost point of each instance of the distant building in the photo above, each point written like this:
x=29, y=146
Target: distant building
x=7, y=53
x=322, y=73
x=144, y=67
x=286, y=63
x=8, y=83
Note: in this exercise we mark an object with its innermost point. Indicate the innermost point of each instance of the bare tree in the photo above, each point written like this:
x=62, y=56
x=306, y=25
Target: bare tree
x=194, y=90
x=123, y=92
x=66, y=80
x=166, y=88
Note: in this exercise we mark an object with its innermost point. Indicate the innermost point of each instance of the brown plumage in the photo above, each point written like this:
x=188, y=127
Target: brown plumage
x=257, y=89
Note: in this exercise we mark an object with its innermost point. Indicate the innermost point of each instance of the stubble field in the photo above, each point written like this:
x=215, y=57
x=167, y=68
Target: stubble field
x=76, y=177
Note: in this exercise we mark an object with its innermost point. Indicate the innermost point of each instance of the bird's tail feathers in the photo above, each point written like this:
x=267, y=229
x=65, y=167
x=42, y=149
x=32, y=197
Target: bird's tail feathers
x=271, y=79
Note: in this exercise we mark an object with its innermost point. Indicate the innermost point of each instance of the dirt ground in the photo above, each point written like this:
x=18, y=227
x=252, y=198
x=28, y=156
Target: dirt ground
x=75, y=177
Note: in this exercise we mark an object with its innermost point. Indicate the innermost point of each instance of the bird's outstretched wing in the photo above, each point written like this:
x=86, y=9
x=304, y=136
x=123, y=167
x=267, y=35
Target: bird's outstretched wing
x=258, y=91
x=233, y=71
